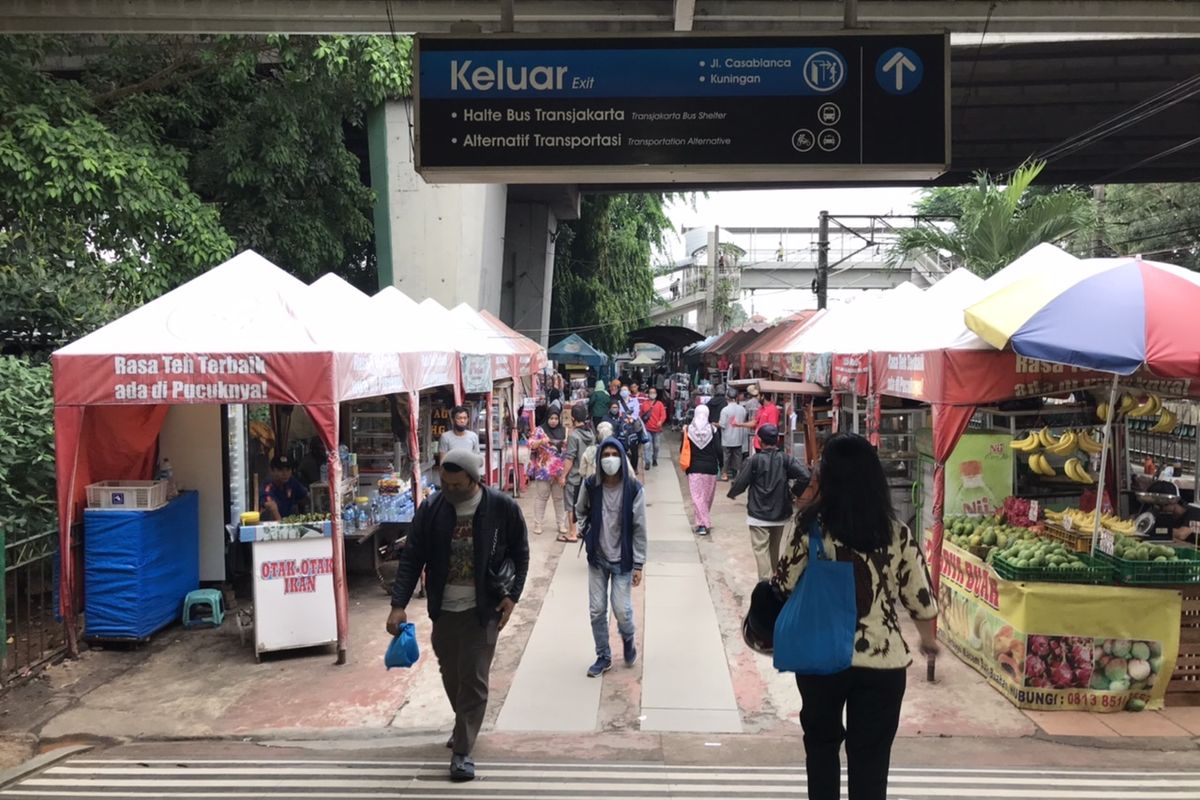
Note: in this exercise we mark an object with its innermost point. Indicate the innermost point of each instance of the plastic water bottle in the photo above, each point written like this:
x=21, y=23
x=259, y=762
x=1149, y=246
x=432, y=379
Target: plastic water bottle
x=360, y=517
x=167, y=473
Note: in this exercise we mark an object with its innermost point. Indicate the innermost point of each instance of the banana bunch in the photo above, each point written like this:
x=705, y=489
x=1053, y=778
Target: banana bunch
x=1083, y=520
x=1076, y=472
x=1147, y=408
x=1030, y=443
x=263, y=433
x=1089, y=444
x=1040, y=466
x=1065, y=445
x=1132, y=407
x=1166, y=423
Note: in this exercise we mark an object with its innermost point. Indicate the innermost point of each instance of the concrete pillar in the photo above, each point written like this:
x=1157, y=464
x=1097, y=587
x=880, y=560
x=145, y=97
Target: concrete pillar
x=528, y=269
x=432, y=240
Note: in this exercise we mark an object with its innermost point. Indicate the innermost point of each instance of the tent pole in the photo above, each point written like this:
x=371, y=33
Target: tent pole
x=1108, y=421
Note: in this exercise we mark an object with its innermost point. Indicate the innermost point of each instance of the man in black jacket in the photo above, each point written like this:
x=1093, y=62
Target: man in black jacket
x=459, y=536
x=769, y=506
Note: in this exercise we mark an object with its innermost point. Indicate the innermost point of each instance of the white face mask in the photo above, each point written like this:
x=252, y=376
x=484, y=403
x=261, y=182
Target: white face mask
x=611, y=464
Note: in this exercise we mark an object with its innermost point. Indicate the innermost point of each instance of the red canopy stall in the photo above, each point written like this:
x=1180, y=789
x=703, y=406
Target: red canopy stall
x=244, y=332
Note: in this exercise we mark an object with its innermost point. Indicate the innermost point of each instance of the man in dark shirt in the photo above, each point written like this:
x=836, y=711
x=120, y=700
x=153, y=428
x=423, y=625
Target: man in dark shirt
x=283, y=495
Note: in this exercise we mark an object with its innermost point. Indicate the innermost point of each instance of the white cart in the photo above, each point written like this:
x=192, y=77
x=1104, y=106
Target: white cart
x=293, y=586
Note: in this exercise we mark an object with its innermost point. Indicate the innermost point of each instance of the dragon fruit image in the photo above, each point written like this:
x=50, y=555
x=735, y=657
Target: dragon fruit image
x=1062, y=676
x=1062, y=662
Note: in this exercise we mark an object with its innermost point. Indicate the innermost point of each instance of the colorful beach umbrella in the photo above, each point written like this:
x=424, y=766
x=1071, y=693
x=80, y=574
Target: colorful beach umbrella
x=1113, y=315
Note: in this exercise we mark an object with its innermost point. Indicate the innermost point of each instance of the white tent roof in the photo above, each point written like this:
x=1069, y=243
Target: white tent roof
x=246, y=305
x=938, y=323
x=857, y=327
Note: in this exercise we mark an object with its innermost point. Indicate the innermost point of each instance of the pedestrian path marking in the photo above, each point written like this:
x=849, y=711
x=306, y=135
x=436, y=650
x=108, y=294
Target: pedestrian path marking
x=426, y=780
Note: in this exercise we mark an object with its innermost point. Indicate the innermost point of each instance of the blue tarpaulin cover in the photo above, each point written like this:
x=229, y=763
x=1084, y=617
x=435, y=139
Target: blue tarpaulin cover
x=138, y=566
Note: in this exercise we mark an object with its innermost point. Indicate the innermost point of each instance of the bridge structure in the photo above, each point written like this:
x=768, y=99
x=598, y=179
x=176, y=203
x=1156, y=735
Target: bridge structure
x=772, y=259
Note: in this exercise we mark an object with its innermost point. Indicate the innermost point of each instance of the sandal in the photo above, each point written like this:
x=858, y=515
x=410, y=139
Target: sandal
x=562, y=537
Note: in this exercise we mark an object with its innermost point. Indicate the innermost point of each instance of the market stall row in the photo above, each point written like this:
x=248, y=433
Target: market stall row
x=925, y=376
x=246, y=332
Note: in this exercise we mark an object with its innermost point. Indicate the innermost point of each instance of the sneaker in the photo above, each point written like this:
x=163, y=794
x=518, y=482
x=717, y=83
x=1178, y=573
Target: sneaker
x=462, y=768
x=702, y=531
x=631, y=652
x=450, y=742
x=601, y=666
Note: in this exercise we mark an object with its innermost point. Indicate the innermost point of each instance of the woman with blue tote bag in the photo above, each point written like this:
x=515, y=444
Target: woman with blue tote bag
x=849, y=565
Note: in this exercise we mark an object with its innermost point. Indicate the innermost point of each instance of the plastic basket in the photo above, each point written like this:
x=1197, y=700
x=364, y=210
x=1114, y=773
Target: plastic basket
x=1094, y=572
x=1152, y=573
x=127, y=495
x=1075, y=541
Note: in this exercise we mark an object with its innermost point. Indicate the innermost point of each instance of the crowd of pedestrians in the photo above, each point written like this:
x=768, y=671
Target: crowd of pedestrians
x=470, y=543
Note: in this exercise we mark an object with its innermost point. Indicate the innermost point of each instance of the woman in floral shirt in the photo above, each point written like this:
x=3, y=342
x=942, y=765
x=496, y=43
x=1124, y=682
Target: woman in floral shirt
x=853, y=511
x=546, y=469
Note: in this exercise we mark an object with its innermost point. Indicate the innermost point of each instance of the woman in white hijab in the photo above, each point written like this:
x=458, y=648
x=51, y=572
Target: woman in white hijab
x=703, y=466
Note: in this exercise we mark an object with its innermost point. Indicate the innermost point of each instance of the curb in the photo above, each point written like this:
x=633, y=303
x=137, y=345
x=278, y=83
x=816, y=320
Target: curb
x=39, y=763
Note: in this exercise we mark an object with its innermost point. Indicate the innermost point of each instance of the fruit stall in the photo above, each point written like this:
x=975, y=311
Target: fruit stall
x=1025, y=606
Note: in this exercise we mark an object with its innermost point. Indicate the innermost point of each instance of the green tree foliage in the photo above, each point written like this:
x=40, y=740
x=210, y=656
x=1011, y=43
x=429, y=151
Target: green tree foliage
x=603, y=280
x=94, y=218
x=995, y=221
x=1159, y=221
x=26, y=447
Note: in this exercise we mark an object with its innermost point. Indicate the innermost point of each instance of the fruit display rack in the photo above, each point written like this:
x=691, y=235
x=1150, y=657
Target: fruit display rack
x=1076, y=541
x=1094, y=571
x=1185, y=569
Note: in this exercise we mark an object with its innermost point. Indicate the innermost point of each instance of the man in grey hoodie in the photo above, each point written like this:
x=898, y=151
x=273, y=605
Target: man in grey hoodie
x=612, y=507
x=576, y=467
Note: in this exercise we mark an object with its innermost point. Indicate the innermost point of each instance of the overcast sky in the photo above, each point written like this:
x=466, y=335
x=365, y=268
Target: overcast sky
x=782, y=208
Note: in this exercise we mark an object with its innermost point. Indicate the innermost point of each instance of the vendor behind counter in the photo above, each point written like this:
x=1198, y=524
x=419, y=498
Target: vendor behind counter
x=1179, y=520
x=284, y=495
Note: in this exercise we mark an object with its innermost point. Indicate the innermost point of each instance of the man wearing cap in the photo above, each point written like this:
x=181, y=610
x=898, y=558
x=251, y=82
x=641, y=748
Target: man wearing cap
x=769, y=506
x=283, y=495
x=461, y=538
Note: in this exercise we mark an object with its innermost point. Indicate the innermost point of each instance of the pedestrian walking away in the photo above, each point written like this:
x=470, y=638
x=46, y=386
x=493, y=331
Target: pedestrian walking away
x=612, y=506
x=654, y=415
x=768, y=475
x=545, y=471
x=733, y=436
x=579, y=463
x=599, y=403
x=471, y=543
x=852, y=511
x=703, y=464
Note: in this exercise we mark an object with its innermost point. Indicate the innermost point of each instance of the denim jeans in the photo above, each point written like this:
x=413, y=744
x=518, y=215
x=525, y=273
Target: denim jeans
x=653, y=448
x=600, y=575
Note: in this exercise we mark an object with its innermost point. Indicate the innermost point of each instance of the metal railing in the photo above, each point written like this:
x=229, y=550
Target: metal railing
x=31, y=632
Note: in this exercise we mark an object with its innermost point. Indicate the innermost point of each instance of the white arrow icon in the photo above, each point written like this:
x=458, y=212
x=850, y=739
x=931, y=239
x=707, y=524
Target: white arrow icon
x=899, y=63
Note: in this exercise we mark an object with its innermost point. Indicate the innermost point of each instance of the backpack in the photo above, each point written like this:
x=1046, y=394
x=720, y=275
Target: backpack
x=587, y=462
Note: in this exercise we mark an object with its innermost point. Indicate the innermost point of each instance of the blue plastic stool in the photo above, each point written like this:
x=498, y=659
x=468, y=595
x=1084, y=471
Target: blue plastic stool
x=203, y=597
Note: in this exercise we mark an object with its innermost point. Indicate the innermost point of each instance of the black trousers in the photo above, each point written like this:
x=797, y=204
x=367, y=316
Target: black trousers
x=871, y=699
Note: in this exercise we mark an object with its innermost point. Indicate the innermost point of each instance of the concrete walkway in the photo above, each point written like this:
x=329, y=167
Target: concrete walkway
x=685, y=685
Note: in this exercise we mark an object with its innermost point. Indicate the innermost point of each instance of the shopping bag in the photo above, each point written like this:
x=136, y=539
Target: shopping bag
x=403, y=651
x=685, y=455
x=814, y=633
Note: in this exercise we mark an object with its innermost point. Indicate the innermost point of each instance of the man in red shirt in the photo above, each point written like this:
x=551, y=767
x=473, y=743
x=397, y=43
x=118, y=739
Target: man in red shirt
x=654, y=415
x=768, y=414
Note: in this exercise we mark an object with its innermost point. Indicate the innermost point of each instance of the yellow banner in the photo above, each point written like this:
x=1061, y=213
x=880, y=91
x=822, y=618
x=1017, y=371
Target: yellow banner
x=1060, y=646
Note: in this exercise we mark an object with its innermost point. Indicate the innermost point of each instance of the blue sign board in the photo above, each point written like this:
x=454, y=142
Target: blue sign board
x=540, y=108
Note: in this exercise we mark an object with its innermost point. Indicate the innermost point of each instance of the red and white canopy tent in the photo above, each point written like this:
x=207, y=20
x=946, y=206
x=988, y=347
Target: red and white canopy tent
x=244, y=332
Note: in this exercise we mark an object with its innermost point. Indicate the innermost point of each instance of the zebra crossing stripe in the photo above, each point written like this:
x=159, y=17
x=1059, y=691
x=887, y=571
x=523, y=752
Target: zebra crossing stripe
x=321, y=779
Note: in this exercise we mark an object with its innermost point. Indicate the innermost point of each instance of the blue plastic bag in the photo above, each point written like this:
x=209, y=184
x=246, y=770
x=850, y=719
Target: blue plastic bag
x=403, y=651
x=814, y=633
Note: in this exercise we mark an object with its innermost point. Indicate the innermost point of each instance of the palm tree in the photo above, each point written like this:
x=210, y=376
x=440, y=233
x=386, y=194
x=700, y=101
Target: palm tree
x=996, y=222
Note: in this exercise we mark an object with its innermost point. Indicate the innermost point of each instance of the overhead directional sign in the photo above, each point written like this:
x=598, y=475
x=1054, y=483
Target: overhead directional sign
x=682, y=108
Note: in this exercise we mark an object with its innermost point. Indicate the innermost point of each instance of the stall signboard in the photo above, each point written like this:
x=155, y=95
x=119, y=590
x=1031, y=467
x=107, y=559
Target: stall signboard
x=818, y=368
x=979, y=475
x=476, y=374
x=293, y=594
x=1059, y=646
x=849, y=373
x=992, y=376
x=643, y=108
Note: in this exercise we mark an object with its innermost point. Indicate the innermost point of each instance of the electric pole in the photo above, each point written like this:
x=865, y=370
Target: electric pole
x=821, y=282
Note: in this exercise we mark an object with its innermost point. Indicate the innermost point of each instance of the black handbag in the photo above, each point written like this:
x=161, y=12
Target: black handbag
x=502, y=578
